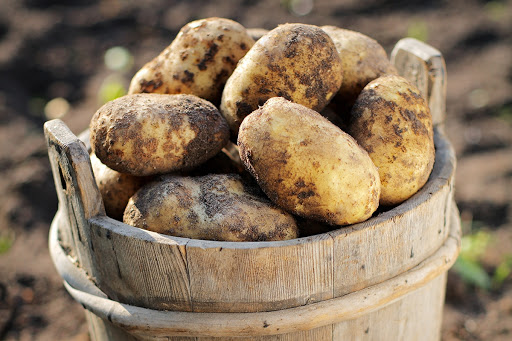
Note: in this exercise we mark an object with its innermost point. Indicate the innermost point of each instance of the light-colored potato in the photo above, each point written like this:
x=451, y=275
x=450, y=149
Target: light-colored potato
x=393, y=123
x=257, y=33
x=115, y=188
x=199, y=60
x=146, y=134
x=307, y=165
x=295, y=61
x=363, y=60
x=212, y=207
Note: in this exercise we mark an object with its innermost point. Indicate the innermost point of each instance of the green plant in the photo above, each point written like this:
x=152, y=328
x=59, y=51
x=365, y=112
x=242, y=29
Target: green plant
x=6, y=240
x=418, y=29
x=469, y=264
x=112, y=88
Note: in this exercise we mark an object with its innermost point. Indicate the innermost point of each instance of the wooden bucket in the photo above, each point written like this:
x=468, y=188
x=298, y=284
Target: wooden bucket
x=383, y=279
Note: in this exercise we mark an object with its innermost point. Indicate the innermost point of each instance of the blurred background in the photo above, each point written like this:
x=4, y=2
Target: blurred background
x=64, y=59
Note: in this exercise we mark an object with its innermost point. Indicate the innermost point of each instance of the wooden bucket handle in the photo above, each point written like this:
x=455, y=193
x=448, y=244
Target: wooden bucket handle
x=79, y=197
x=425, y=67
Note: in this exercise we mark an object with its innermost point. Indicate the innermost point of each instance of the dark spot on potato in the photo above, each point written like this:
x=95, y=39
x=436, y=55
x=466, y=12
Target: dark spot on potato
x=147, y=86
x=228, y=60
x=208, y=56
x=243, y=46
x=300, y=183
x=243, y=109
x=398, y=131
x=188, y=77
x=305, y=195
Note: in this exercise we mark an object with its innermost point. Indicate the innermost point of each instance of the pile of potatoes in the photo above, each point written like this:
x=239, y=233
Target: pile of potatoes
x=253, y=135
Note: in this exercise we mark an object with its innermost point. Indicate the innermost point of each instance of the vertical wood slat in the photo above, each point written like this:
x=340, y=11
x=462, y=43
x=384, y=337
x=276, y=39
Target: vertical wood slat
x=140, y=267
x=249, y=277
x=76, y=188
x=425, y=67
x=416, y=316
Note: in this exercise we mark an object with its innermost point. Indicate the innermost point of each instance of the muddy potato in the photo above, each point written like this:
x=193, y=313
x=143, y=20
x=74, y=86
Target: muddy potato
x=146, y=134
x=212, y=207
x=392, y=122
x=295, y=61
x=307, y=165
x=363, y=59
x=199, y=60
x=257, y=33
x=115, y=188
x=227, y=161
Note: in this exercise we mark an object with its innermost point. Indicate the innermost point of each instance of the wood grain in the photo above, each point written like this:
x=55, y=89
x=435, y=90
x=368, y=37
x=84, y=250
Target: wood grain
x=144, y=322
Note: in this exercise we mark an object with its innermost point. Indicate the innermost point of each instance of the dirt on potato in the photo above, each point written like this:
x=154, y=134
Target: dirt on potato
x=56, y=49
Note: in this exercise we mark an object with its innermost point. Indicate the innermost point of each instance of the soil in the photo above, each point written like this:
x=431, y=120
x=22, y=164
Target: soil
x=52, y=49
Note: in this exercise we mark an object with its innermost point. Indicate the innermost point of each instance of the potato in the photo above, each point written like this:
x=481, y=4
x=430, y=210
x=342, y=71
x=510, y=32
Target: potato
x=212, y=207
x=199, y=60
x=115, y=188
x=362, y=58
x=146, y=134
x=307, y=165
x=295, y=61
x=257, y=33
x=222, y=163
x=392, y=122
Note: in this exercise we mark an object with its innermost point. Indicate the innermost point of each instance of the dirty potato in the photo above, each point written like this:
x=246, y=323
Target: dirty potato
x=199, y=60
x=212, y=207
x=146, y=134
x=295, y=61
x=257, y=33
x=392, y=122
x=362, y=58
x=115, y=188
x=307, y=165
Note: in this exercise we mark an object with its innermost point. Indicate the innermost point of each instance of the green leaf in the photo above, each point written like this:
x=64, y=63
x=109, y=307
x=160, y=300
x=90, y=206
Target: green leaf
x=6, y=241
x=472, y=273
x=502, y=272
x=111, y=89
x=418, y=29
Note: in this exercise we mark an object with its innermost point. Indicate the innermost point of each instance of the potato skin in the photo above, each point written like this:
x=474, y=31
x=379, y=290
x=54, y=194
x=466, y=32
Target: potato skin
x=115, y=188
x=307, y=165
x=256, y=33
x=295, y=61
x=147, y=134
x=212, y=207
x=199, y=60
x=363, y=59
x=392, y=122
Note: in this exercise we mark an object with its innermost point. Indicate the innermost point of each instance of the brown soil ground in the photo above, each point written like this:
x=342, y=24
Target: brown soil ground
x=55, y=48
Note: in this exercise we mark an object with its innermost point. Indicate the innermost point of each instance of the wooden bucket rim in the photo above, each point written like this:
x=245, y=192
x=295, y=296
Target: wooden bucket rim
x=442, y=173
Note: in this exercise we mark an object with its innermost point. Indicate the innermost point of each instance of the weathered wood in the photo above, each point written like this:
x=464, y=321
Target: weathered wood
x=143, y=322
x=425, y=67
x=248, y=277
x=415, y=317
x=76, y=189
x=141, y=267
